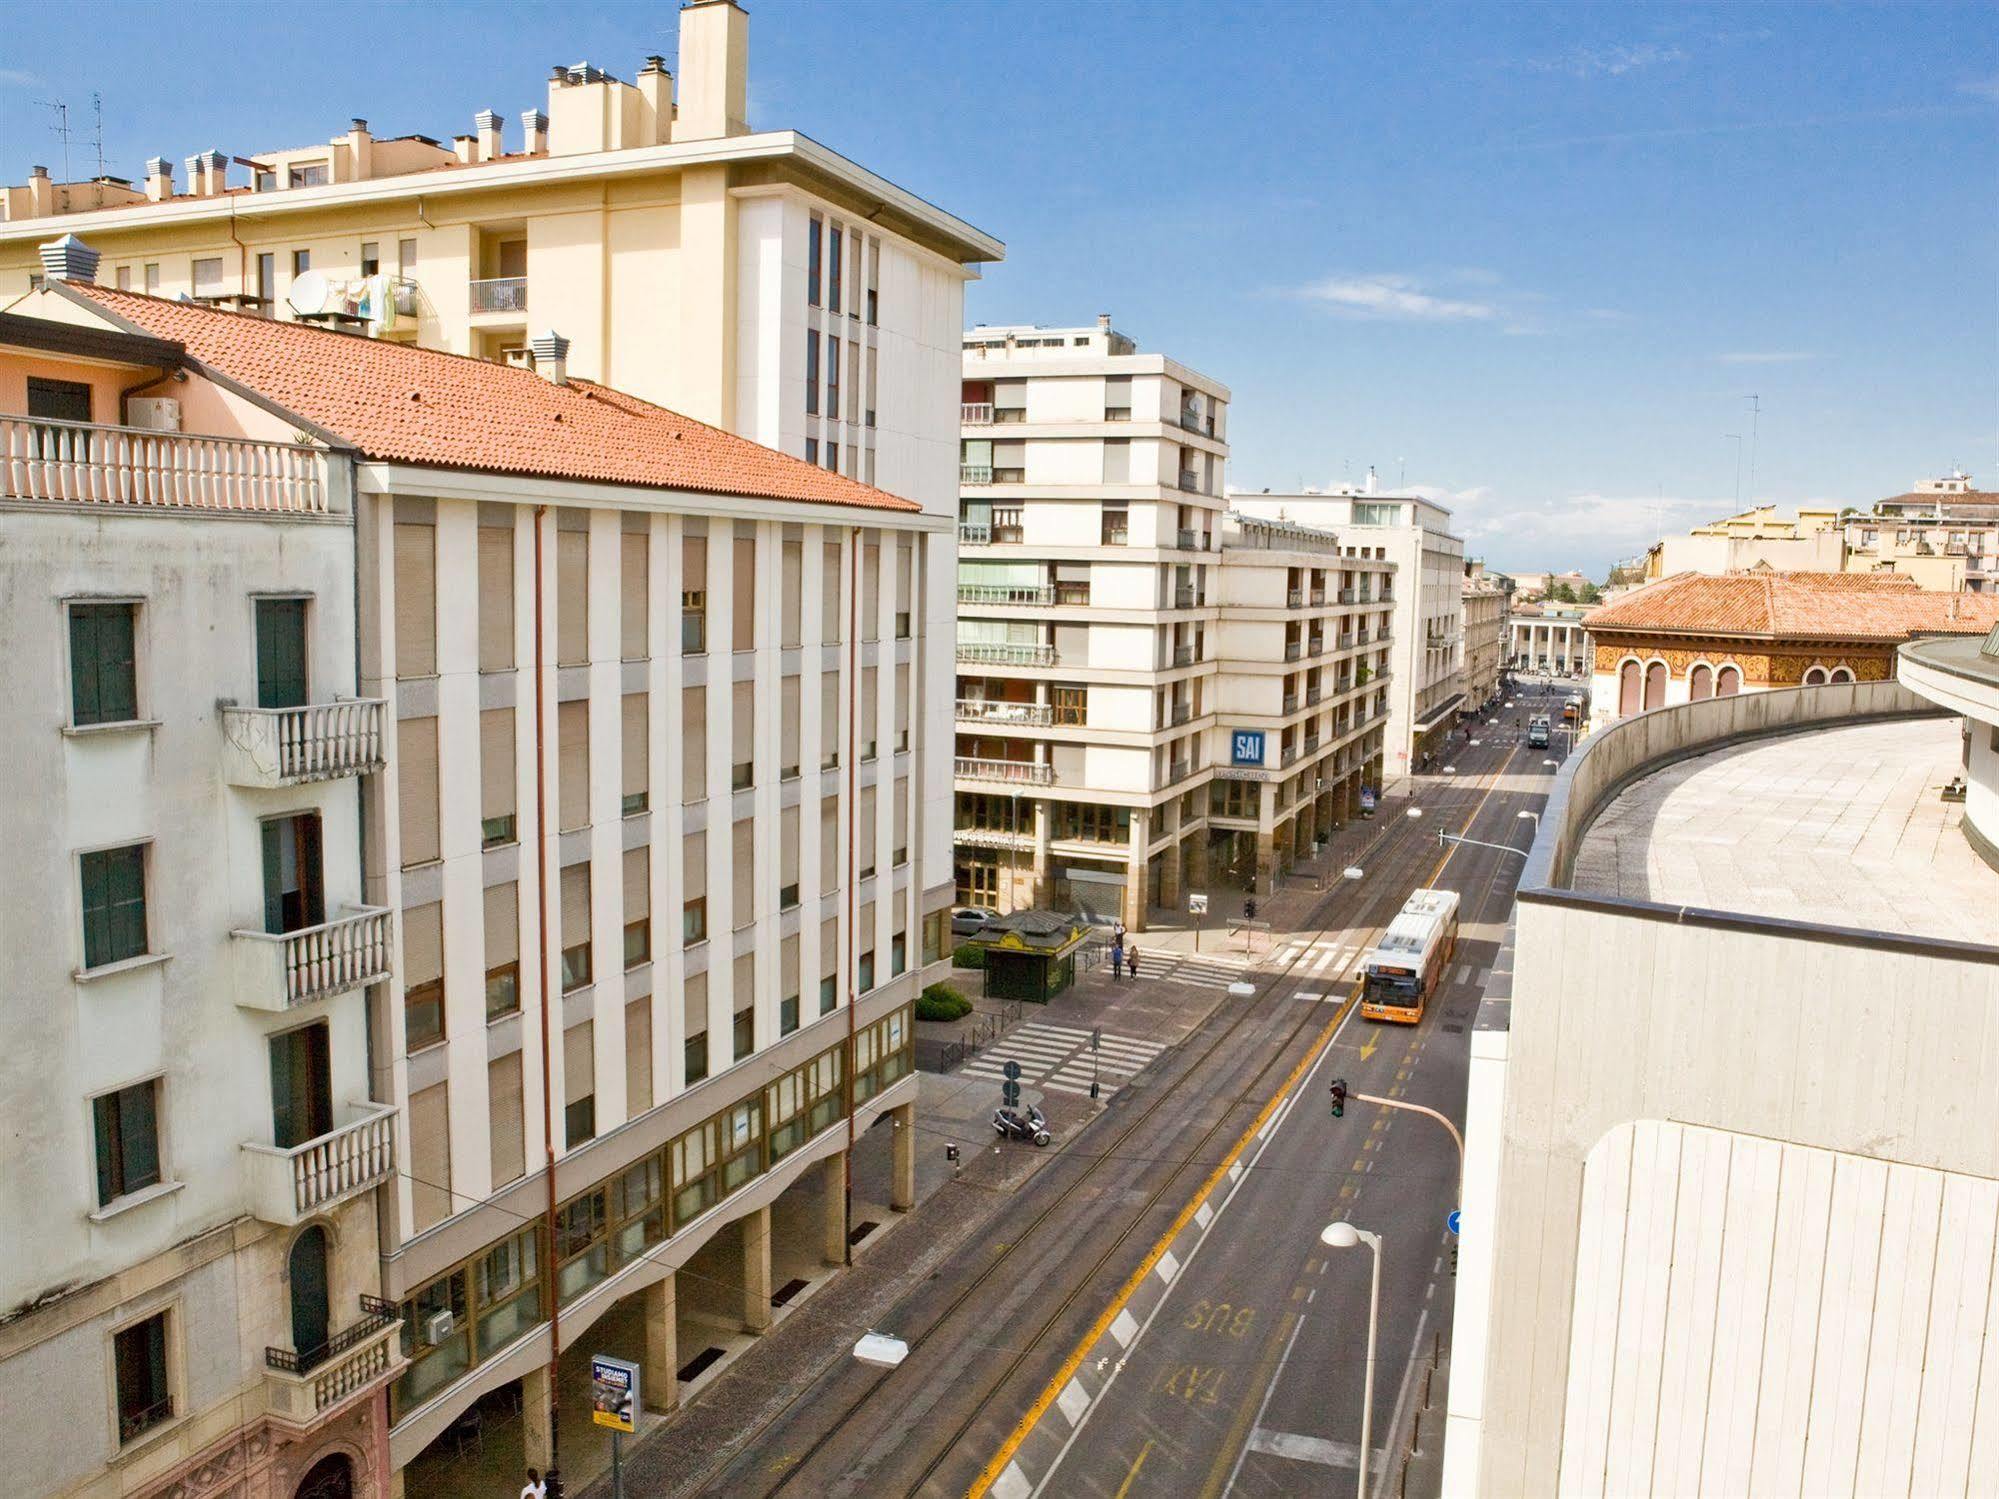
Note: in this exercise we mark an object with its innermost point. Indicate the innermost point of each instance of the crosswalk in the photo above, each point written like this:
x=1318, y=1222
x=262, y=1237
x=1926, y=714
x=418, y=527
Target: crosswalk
x=1203, y=970
x=1058, y=1057
x=1324, y=960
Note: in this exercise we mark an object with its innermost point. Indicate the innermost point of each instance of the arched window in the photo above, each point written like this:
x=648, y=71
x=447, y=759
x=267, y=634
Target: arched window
x=332, y=1477
x=1728, y=681
x=1840, y=674
x=310, y=1304
x=1655, y=685
x=1815, y=677
x=1700, y=682
x=1627, y=689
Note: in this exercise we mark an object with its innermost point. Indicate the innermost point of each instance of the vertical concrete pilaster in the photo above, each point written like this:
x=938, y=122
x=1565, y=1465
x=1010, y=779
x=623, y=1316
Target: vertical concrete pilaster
x=833, y=1183
x=537, y=1437
x=756, y=1270
x=902, y=1190
x=659, y=1374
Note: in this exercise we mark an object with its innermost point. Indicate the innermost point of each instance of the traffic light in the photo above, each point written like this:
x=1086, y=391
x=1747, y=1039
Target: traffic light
x=1339, y=1097
x=552, y=1487
x=1249, y=909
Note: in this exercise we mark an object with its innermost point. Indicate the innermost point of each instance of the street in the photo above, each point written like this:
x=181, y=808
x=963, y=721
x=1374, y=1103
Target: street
x=1246, y=1375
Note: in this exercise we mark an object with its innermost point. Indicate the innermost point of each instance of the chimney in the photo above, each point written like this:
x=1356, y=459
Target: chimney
x=551, y=357
x=534, y=127
x=714, y=71
x=489, y=123
x=466, y=148
x=159, y=178
x=1104, y=321
x=69, y=259
x=196, y=187
x=41, y=193
x=655, y=103
x=1369, y=488
x=360, y=153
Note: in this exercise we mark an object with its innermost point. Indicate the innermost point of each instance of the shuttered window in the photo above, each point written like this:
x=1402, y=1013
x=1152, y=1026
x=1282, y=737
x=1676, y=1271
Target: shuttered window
x=416, y=789
x=901, y=706
x=787, y=858
x=743, y=872
x=742, y=734
x=497, y=772
x=575, y=927
x=693, y=595
x=572, y=737
x=430, y=1155
x=831, y=733
x=496, y=598
x=830, y=602
x=505, y=1111
x=743, y=592
x=103, y=677
x=901, y=844
x=791, y=597
x=638, y=1057
x=867, y=832
x=579, y=1084
x=829, y=966
x=416, y=600
x=114, y=904
x=871, y=591
x=694, y=888
x=904, y=573
x=572, y=597
x=869, y=727
x=693, y=743
x=829, y=845
x=638, y=906
x=787, y=986
x=503, y=949
x=423, y=976
x=694, y=1027
x=787, y=732
x=745, y=1002
x=636, y=753
x=634, y=595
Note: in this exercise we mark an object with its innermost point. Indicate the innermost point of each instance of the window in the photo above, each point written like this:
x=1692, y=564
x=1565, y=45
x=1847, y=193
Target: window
x=742, y=768
x=309, y=174
x=302, y=1090
x=103, y=670
x=572, y=733
x=503, y=949
x=811, y=372
x=575, y=927
x=497, y=819
x=582, y=1249
x=496, y=598
x=152, y=279
x=124, y=278
x=814, y=232
x=405, y=257
x=267, y=277
x=812, y=451
x=114, y=905
x=865, y=972
x=293, y=895
x=833, y=372
x=787, y=1015
x=128, y=1140
x=833, y=270
x=829, y=993
x=638, y=906
x=139, y=1354
x=509, y=1291
x=301, y=262
x=417, y=796
x=207, y=277
x=572, y=593
x=833, y=457
x=635, y=755
x=371, y=258
x=694, y=921
x=423, y=976
x=416, y=599
x=579, y=1090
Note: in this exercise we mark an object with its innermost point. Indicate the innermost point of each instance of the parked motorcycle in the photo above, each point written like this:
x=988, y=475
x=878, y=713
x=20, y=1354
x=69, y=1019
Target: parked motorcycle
x=1016, y=1124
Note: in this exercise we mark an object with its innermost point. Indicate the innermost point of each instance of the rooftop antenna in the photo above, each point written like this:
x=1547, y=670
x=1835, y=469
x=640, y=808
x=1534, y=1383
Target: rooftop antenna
x=61, y=128
x=1755, y=415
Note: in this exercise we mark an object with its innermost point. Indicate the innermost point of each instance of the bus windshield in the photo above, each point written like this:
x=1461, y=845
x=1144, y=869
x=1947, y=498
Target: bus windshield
x=1391, y=988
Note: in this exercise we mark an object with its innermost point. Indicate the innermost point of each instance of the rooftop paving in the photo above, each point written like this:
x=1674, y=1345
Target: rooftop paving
x=1839, y=826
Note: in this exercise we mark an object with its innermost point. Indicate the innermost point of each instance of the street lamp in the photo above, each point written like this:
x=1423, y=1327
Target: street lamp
x=1533, y=817
x=1344, y=1235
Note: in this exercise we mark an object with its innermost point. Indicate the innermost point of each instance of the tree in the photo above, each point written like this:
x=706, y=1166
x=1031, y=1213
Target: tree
x=1561, y=593
x=1589, y=593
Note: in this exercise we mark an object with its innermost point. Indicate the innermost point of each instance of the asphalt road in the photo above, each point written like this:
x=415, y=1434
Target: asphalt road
x=989, y=1331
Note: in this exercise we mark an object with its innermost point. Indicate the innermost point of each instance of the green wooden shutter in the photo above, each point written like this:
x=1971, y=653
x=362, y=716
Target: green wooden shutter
x=83, y=665
x=274, y=878
x=128, y=902
x=103, y=685
x=281, y=675
x=138, y=1137
x=104, y=1113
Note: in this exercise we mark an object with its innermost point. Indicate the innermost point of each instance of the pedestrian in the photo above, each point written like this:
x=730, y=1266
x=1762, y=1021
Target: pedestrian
x=1131, y=959
x=1117, y=957
x=534, y=1488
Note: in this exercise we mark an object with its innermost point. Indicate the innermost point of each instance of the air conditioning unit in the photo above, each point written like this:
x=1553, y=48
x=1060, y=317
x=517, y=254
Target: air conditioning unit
x=153, y=413
x=438, y=1328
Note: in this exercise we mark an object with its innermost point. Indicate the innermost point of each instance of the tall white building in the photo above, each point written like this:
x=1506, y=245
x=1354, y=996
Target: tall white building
x=1427, y=658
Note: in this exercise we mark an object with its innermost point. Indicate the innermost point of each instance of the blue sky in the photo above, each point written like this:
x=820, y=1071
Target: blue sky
x=1534, y=258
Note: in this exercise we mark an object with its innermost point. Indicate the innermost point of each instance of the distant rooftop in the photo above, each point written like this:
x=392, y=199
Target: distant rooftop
x=1842, y=827
x=1767, y=604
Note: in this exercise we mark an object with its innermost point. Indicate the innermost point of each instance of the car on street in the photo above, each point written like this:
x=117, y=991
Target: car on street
x=1537, y=731
x=970, y=921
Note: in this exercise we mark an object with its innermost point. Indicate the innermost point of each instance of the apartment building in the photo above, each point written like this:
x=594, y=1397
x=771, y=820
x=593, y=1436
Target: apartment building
x=1487, y=615
x=1426, y=661
x=623, y=691
x=1090, y=483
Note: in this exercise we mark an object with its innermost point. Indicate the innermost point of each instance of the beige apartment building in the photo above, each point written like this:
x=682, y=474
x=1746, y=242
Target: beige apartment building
x=1487, y=620
x=644, y=885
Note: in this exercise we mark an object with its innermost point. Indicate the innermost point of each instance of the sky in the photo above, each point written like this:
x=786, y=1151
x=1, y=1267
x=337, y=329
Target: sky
x=1530, y=260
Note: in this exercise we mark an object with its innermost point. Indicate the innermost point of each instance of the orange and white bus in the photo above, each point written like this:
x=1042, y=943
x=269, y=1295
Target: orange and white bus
x=1408, y=964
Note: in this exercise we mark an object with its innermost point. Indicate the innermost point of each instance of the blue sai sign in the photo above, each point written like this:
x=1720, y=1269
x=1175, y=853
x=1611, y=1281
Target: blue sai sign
x=1452, y=1221
x=1246, y=747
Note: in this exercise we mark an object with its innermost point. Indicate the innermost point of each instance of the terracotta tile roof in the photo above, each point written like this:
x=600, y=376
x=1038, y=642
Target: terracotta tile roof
x=1795, y=606
x=403, y=404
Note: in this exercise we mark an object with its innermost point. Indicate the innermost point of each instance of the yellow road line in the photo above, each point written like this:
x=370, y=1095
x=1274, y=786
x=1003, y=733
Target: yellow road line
x=1055, y=1386
x=1132, y=1477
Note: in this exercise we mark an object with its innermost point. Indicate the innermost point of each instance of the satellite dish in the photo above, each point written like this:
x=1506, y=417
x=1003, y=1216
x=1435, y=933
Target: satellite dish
x=309, y=290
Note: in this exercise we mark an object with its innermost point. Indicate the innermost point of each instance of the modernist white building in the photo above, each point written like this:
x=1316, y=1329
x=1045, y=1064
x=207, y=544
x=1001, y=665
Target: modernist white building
x=1549, y=638
x=1427, y=657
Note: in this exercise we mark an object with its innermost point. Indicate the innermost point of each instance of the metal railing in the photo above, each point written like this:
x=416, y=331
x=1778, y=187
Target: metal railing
x=281, y=970
x=1115, y=535
x=1183, y=596
x=974, y=535
x=1188, y=541
x=1344, y=641
x=1190, y=481
x=1180, y=714
x=1293, y=649
x=982, y=1032
x=290, y=1185
x=1183, y=655
x=975, y=413
x=500, y=294
x=1294, y=599
x=975, y=473
x=1179, y=770
x=1005, y=653
x=1312, y=695
x=315, y=742
x=1318, y=598
x=1311, y=743
x=1290, y=703
x=376, y=1314
x=1072, y=593
x=997, y=710
x=1005, y=593
x=94, y=464
x=1346, y=595
x=1290, y=756
x=1013, y=772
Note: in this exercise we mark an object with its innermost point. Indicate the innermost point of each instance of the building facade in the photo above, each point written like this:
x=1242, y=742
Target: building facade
x=1487, y=633
x=1426, y=661
x=665, y=638
x=1694, y=636
x=1549, y=638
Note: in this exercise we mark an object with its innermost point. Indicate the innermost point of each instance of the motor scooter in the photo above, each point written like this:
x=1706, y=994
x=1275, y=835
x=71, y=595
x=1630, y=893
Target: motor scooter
x=1018, y=1124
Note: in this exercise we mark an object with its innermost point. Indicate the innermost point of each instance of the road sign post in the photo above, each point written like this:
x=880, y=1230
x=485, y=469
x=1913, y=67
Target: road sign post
x=1010, y=1089
x=1096, y=1045
x=614, y=1402
x=1197, y=907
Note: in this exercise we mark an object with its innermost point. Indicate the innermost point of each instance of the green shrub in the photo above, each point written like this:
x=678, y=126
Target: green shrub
x=942, y=1002
x=968, y=955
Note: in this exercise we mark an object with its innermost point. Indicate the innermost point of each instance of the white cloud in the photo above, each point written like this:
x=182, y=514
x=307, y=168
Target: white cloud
x=1983, y=88
x=1775, y=357
x=1612, y=60
x=18, y=76
x=1590, y=530
x=1394, y=298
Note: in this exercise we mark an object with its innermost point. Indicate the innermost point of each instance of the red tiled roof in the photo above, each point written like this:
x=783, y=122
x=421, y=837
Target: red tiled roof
x=1795, y=606
x=403, y=404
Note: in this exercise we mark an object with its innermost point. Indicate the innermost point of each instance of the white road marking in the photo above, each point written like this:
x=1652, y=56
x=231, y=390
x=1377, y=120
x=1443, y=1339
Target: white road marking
x=1012, y=1484
x=1124, y=1329
x=1303, y=1449
x=1072, y=1402
x=1168, y=1267
x=1264, y=1405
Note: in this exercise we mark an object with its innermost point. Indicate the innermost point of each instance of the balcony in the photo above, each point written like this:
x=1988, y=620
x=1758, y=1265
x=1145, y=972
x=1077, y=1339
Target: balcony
x=1312, y=695
x=278, y=971
x=1180, y=714
x=998, y=710
x=1318, y=598
x=1005, y=653
x=1345, y=642
x=1290, y=705
x=1188, y=541
x=1190, y=481
x=1005, y=593
x=88, y=463
x=1012, y=772
x=1311, y=743
x=1072, y=594
x=1183, y=596
x=972, y=535
x=1346, y=595
x=1290, y=756
x=269, y=747
x=500, y=294
x=1295, y=599
x=289, y=1186
x=975, y=413
x=1179, y=771
x=1315, y=646
x=1115, y=533
x=1183, y=655
x=975, y=473
x=1293, y=649
x=303, y=1389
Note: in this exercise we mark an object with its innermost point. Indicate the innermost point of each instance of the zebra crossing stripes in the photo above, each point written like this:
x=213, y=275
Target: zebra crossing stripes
x=1202, y=971
x=1058, y=1057
x=1120, y=1059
